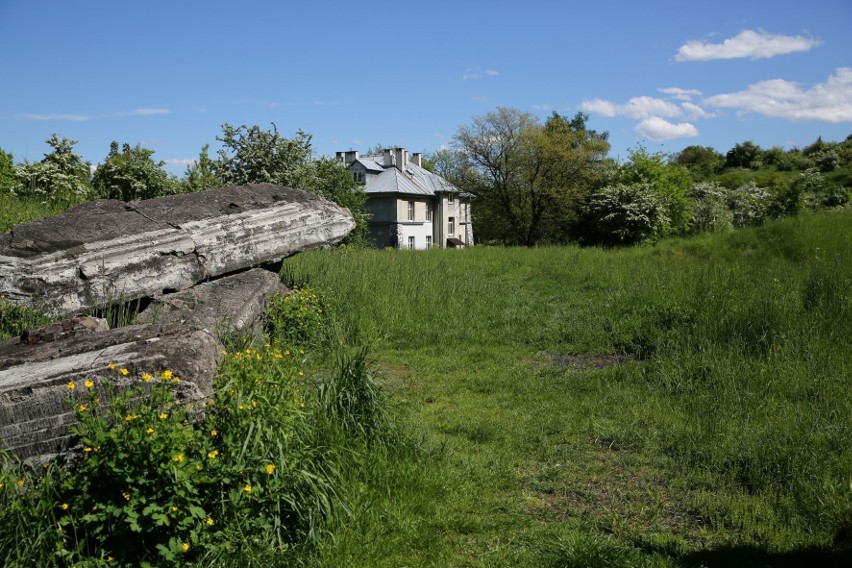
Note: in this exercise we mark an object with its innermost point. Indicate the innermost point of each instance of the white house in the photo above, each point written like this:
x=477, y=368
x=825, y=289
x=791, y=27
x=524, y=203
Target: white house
x=410, y=206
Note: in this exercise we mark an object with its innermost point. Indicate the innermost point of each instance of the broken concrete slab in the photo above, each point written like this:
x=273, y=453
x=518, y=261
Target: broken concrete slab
x=107, y=251
x=35, y=417
x=229, y=304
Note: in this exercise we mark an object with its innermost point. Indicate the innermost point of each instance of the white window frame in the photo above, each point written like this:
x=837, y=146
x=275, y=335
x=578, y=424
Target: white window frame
x=411, y=211
x=451, y=226
x=428, y=212
x=411, y=243
x=428, y=241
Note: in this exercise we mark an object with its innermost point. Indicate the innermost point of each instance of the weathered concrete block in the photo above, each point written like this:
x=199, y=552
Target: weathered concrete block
x=35, y=419
x=107, y=251
x=228, y=304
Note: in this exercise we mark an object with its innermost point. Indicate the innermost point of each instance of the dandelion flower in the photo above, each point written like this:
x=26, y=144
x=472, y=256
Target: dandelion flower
x=178, y=458
x=71, y=385
x=82, y=408
x=64, y=506
x=149, y=430
x=270, y=468
x=130, y=417
x=163, y=416
x=214, y=433
x=88, y=384
x=184, y=547
x=111, y=366
x=124, y=372
x=247, y=488
x=209, y=522
x=167, y=374
x=147, y=377
x=212, y=455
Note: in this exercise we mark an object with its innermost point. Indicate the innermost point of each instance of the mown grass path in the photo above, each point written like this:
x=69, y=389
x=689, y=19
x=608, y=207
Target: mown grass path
x=682, y=404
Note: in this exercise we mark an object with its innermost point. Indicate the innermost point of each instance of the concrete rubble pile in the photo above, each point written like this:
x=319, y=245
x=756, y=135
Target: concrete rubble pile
x=191, y=259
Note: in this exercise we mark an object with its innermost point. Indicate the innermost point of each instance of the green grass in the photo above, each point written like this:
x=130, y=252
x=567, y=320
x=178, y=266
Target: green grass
x=681, y=404
x=15, y=210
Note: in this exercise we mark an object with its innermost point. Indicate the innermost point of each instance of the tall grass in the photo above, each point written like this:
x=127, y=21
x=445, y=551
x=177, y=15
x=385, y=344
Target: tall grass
x=732, y=387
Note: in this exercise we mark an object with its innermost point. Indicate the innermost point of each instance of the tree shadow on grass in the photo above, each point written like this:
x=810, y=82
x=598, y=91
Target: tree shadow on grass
x=752, y=557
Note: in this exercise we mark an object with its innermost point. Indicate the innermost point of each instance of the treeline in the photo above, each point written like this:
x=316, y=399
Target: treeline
x=553, y=182
x=535, y=182
x=248, y=155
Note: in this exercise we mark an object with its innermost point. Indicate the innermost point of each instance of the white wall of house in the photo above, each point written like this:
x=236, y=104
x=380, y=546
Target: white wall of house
x=418, y=231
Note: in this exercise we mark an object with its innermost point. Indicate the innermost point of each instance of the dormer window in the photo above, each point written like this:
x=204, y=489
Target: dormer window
x=451, y=199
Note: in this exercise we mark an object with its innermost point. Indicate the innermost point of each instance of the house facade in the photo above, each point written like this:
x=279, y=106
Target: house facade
x=410, y=206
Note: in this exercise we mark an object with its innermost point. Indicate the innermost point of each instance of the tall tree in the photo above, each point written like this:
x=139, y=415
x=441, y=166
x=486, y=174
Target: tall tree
x=200, y=174
x=62, y=176
x=7, y=171
x=132, y=174
x=528, y=175
x=254, y=155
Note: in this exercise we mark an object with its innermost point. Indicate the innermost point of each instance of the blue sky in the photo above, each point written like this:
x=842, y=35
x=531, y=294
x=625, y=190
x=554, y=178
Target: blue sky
x=167, y=75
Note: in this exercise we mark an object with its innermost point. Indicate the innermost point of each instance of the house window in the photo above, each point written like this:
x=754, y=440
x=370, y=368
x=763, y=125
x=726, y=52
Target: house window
x=429, y=212
x=428, y=241
x=411, y=211
x=451, y=226
x=451, y=199
x=411, y=242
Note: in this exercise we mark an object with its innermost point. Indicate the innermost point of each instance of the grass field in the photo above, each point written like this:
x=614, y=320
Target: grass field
x=685, y=404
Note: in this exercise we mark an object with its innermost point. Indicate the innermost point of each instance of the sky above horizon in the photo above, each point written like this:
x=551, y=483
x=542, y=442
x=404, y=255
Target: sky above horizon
x=663, y=74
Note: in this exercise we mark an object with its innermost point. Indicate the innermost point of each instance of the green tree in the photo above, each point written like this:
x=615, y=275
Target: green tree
x=62, y=176
x=7, y=171
x=132, y=174
x=669, y=180
x=701, y=161
x=200, y=174
x=744, y=155
x=619, y=215
x=253, y=155
x=529, y=178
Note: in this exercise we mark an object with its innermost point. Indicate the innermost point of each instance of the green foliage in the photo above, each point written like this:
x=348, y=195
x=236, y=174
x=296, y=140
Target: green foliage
x=528, y=177
x=132, y=174
x=744, y=155
x=61, y=177
x=253, y=155
x=200, y=175
x=670, y=181
x=7, y=172
x=624, y=215
x=296, y=318
x=15, y=318
x=711, y=208
x=750, y=205
x=701, y=161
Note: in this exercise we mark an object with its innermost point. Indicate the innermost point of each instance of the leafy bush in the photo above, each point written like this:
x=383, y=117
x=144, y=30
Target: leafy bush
x=624, y=214
x=15, y=318
x=296, y=318
x=162, y=483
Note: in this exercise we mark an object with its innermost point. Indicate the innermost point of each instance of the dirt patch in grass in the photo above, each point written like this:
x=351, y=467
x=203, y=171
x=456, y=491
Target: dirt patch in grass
x=586, y=362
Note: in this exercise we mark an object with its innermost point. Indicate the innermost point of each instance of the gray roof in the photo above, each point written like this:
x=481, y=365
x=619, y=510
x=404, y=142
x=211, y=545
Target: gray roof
x=415, y=180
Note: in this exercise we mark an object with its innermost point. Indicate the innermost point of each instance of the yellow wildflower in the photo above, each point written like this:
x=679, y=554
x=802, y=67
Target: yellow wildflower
x=163, y=416
x=130, y=417
x=184, y=547
x=124, y=371
x=111, y=366
x=247, y=488
x=88, y=384
x=147, y=377
x=87, y=449
x=240, y=407
x=209, y=522
x=64, y=506
x=21, y=483
x=270, y=469
x=71, y=385
x=167, y=374
x=178, y=458
x=149, y=430
x=174, y=509
x=126, y=495
x=212, y=455
x=82, y=408
x=253, y=403
x=214, y=433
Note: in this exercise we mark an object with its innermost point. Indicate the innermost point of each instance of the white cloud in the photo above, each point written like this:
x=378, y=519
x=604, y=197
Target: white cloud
x=85, y=117
x=57, y=116
x=694, y=111
x=179, y=162
x=656, y=128
x=681, y=94
x=637, y=107
x=825, y=102
x=748, y=43
x=148, y=111
x=478, y=73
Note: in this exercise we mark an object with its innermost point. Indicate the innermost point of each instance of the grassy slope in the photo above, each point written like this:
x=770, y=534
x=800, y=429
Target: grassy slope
x=722, y=434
